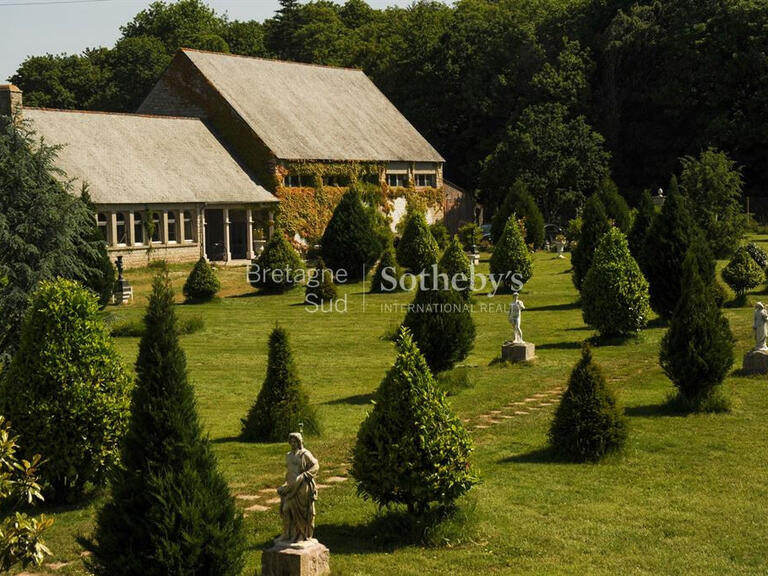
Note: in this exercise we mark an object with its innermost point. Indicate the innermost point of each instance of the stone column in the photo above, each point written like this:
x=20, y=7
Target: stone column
x=249, y=234
x=131, y=232
x=180, y=226
x=202, y=233
x=227, y=252
x=164, y=224
x=112, y=229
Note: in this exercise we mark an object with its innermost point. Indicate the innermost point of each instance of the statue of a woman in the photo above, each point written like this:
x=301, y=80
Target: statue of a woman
x=298, y=494
x=515, y=313
x=760, y=325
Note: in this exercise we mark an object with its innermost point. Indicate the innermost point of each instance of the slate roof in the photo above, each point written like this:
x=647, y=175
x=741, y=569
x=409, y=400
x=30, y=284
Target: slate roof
x=135, y=159
x=309, y=112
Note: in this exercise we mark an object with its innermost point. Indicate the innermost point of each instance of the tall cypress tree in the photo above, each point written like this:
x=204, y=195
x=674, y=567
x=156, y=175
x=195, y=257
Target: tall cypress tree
x=417, y=249
x=170, y=510
x=594, y=225
x=455, y=263
x=646, y=212
x=673, y=231
x=697, y=349
x=511, y=255
x=521, y=202
x=615, y=206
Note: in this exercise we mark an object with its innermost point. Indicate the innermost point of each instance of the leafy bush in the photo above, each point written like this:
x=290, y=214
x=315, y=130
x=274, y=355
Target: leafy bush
x=170, y=510
x=20, y=535
x=594, y=225
x=202, y=283
x=615, y=206
x=282, y=404
x=615, y=292
x=519, y=200
x=455, y=263
x=742, y=273
x=442, y=327
x=417, y=249
x=275, y=270
x=66, y=390
x=387, y=262
x=410, y=448
x=697, y=349
x=573, y=231
x=759, y=255
x=440, y=234
x=671, y=234
x=511, y=256
x=646, y=211
x=588, y=423
x=470, y=235
x=320, y=286
x=351, y=241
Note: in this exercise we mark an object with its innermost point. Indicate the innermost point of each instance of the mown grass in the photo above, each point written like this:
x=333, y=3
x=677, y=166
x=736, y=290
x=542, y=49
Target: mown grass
x=688, y=495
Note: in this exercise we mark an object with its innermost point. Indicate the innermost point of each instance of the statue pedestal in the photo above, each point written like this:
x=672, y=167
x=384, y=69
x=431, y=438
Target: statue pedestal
x=518, y=351
x=755, y=362
x=308, y=558
x=123, y=292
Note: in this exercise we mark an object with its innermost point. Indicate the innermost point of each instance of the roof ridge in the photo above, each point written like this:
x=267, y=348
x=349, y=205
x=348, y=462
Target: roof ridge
x=108, y=113
x=275, y=60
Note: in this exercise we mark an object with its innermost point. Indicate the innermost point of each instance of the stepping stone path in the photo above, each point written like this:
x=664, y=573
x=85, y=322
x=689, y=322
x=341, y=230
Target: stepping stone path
x=511, y=410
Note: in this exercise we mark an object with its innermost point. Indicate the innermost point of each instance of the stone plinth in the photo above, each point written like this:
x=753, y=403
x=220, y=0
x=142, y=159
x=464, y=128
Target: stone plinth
x=755, y=362
x=306, y=559
x=518, y=351
x=123, y=292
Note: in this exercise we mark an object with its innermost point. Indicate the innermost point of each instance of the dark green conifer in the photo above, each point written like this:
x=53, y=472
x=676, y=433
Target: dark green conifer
x=387, y=272
x=616, y=207
x=646, y=211
x=594, y=225
x=278, y=268
x=320, y=287
x=417, y=249
x=455, y=264
x=511, y=259
x=521, y=202
x=202, y=283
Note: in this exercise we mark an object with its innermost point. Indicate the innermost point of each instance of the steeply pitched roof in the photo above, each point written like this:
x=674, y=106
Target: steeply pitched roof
x=307, y=112
x=133, y=159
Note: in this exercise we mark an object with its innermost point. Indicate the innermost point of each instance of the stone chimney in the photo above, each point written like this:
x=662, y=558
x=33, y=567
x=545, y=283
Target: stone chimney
x=10, y=100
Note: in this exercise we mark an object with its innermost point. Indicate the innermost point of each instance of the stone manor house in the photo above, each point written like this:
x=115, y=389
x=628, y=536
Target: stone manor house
x=221, y=139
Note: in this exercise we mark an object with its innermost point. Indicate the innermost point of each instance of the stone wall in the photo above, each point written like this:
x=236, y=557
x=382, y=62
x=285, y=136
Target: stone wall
x=138, y=257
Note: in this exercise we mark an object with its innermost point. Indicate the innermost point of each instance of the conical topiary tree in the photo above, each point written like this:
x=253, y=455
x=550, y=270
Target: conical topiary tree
x=615, y=206
x=387, y=275
x=66, y=391
x=588, y=423
x=351, y=241
x=455, y=264
x=202, y=283
x=646, y=211
x=521, y=202
x=673, y=231
x=320, y=287
x=170, y=510
x=442, y=326
x=417, y=249
x=697, y=349
x=511, y=256
x=282, y=405
x=742, y=273
x=594, y=224
x=615, y=297
x=411, y=450
x=276, y=269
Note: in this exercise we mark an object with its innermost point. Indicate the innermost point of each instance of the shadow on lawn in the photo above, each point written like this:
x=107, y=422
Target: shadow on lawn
x=560, y=346
x=355, y=400
x=553, y=307
x=544, y=455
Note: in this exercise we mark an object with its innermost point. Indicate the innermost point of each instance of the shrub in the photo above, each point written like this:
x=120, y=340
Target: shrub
x=276, y=269
x=442, y=327
x=455, y=263
x=615, y=293
x=202, y=283
x=66, y=391
x=170, y=510
x=417, y=249
x=351, y=241
x=470, y=235
x=20, y=535
x=320, y=286
x=697, y=349
x=573, y=231
x=282, y=405
x=615, y=206
x=646, y=211
x=511, y=256
x=758, y=255
x=672, y=233
x=519, y=200
x=588, y=423
x=594, y=225
x=440, y=234
x=411, y=449
x=742, y=273
x=388, y=263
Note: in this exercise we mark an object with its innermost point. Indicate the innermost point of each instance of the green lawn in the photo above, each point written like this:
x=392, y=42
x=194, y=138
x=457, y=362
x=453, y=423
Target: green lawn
x=689, y=495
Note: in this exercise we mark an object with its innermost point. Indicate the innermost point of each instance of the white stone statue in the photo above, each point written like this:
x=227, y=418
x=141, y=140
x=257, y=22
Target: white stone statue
x=515, y=313
x=298, y=494
x=760, y=326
